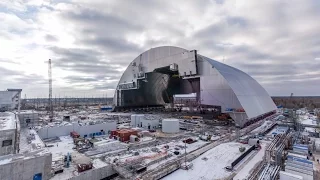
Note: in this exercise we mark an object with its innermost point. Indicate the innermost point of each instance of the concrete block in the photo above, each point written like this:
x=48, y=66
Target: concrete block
x=18, y=176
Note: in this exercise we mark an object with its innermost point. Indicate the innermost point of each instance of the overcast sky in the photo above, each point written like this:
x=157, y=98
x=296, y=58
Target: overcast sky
x=91, y=42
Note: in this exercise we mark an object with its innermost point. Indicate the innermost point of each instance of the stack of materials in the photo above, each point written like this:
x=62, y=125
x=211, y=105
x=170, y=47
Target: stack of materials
x=123, y=135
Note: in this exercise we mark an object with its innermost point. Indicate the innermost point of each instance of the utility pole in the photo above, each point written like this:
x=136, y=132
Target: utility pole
x=50, y=91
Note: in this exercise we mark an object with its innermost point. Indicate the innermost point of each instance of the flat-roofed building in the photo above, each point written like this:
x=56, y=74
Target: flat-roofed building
x=10, y=99
x=28, y=118
x=8, y=133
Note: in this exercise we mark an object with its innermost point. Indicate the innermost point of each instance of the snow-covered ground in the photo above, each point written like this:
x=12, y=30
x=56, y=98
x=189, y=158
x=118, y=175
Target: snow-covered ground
x=248, y=168
x=34, y=144
x=107, y=147
x=215, y=138
x=308, y=119
x=144, y=139
x=309, y=122
x=265, y=125
x=310, y=129
x=63, y=147
x=67, y=173
x=213, y=168
x=148, y=156
x=7, y=121
x=124, y=126
x=5, y=161
x=97, y=163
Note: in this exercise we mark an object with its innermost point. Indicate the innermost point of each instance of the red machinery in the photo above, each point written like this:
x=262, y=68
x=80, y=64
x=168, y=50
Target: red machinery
x=74, y=134
x=84, y=167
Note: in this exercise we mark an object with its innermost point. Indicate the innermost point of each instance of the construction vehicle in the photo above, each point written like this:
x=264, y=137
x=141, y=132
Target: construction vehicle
x=206, y=138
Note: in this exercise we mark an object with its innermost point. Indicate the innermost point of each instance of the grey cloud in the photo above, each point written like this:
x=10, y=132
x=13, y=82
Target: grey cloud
x=92, y=63
x=95, y=22
x=275, y=44
x=31, y=79
x=96, y=82
x=73, y=58
x=155, y=43
x=250, y=53
x=228, y=26
x=92, y=79
x=112, y=45
x=303, y=88
x=17, y=77
x=111, y=85
x=76, y=53
x=104, y=32
x=219, y=1
x=237, y=21
x=98, y=67
x=77, y=79
x=7, y=72
x=51, y=38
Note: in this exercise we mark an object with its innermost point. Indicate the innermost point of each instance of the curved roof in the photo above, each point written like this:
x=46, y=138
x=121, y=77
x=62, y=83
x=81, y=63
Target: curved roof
x=220, y=85
x=252, y=96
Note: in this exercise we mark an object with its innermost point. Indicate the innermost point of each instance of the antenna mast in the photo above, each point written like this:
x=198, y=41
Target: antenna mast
x=50, y=91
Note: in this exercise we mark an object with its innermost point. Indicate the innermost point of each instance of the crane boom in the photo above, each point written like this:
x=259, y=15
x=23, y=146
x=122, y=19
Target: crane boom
x=50, y=91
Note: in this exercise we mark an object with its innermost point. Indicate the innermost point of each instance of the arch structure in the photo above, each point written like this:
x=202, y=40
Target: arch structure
x=155, y=76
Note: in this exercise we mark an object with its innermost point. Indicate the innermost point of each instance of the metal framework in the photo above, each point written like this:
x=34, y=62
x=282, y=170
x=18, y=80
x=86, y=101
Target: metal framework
x=155, y=76
x=50, y=107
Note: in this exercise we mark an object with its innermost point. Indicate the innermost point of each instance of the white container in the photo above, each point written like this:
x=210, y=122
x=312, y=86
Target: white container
x=170, y=125
x=139, y=118
x=133, y=120
x=133, y=138
x=149, y=123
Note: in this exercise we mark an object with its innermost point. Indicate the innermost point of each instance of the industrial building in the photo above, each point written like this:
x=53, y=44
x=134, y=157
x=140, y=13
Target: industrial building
x=38, y=153
x=140, y=120
x=8, y=133
x=10, y=99
x=26, y=143
x=84, y=130
x=155, y=76
x=298, y=164
x=34, y=166
x=28, y=118
x=123, y=135
x=21, y=156
x=80, y=143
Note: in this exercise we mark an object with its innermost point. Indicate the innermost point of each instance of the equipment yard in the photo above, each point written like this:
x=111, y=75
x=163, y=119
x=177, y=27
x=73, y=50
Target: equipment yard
x=125, y=145
x=157, y=145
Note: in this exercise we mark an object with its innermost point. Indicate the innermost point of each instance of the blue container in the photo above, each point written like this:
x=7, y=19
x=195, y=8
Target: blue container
x=37, y=176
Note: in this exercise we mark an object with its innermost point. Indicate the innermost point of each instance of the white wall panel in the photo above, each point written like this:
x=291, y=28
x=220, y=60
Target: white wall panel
x=253, y=97
x=49, y=132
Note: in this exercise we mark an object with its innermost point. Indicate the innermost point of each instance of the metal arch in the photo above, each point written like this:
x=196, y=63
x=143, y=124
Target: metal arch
x=225, y=86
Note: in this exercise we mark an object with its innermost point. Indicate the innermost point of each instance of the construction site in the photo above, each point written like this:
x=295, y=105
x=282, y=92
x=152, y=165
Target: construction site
x=167, y=120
